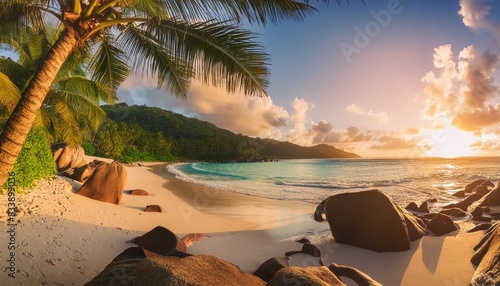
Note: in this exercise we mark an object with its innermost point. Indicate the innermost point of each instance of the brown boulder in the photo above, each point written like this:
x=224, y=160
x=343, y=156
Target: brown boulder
x=413, y=207
x=267, y=269
x=140, y=267
x=456, y=212
x=139, y=192
x=153, y=209
x=424, y=207
x=487, y=258
x=441, y=224
x=371, y=220
x=459, y=194
x=106, y=183
x=465, y=203
x=67, y=157
x=481, y=226
x=352, y=273
x=492, y=198
x=308, y=276
x=319, y=213
x=82, y=173
x=470, y=187
x=481, y=189
x=160, y=241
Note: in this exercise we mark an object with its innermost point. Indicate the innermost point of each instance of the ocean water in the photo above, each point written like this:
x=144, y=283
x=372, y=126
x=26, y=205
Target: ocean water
x=313, y=180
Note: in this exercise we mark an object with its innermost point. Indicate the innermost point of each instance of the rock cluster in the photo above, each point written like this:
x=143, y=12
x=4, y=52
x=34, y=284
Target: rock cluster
x=161, y=259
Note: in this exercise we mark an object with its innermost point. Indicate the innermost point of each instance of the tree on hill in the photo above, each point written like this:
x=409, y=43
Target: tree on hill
x=175, y=41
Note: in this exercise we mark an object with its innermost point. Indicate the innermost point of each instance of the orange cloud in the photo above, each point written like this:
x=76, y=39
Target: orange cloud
x=461, y=92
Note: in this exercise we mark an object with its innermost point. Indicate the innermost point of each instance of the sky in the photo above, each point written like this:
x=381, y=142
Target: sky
x=391, y=78
x=387, y=78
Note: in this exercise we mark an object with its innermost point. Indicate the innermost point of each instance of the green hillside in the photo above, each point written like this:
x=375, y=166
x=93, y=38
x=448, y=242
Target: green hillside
x=193, y=139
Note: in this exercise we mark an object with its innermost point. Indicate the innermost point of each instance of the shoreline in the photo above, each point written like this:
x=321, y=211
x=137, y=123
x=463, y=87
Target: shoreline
x=68, y=239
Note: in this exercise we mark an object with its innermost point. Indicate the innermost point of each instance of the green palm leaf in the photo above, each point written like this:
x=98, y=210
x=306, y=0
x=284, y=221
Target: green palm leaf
x=151, y=59
x=254, y=11
x=16, y=72
x=220, y=53
x=109, y=65
x=81, y=87
x=16, y=15
x=10, y=93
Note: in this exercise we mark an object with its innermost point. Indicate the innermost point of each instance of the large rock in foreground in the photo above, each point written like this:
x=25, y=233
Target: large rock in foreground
x=371, y=220
x=487, y=258
x=106, y=183
x=311, y=276
x=138, y=267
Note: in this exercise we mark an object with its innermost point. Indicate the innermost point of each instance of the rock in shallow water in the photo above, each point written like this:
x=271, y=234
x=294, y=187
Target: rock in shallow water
x=371, y=220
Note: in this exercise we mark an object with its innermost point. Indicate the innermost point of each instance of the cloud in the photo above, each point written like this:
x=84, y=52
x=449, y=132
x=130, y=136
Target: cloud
x=475, y=12
x=354, y=108
x=390, y=142
x=476, y=119
x=381, y=117
x=254, y=116
x=486, y=146
x=461, y=92
x=439, y=97
x=298, y=131
x=476, y=75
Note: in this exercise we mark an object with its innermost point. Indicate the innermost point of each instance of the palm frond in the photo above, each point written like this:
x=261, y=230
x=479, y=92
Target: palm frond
x=16, y=72
x=15, y=15
x=221, y=54
x=148, y=58
x=91, y=91
x=148, y=8
x=259, y=12
x=109, y=64
x=67, y=112
x=10, y=93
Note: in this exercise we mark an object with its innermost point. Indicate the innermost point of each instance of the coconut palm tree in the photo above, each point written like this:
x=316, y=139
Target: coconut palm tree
x=72, y=106
x=175, y=41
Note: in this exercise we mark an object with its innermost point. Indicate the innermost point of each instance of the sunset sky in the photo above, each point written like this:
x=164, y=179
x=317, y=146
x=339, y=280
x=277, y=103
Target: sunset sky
x=383, y=79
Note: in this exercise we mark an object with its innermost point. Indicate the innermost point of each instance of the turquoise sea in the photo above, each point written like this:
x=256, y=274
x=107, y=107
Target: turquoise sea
x=405, y=180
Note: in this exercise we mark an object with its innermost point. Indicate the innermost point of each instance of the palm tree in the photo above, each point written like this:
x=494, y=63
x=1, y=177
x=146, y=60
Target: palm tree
x=175, y=41
x=72, y=106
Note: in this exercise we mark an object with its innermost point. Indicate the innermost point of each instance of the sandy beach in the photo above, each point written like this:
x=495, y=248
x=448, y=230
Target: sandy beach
x=66, y=239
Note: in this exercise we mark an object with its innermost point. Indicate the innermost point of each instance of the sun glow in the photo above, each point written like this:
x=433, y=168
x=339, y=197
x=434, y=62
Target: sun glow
x=450, y=142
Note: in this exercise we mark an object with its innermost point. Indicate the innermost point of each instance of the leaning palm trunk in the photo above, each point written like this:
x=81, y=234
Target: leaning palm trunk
x=20, y=122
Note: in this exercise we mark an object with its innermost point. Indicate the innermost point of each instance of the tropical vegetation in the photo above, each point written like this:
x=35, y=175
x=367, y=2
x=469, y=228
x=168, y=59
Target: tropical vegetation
x=174, y=41
x=141, y=133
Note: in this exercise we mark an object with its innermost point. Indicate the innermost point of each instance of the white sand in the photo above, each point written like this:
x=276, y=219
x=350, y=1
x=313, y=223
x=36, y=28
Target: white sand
x=66, y=239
